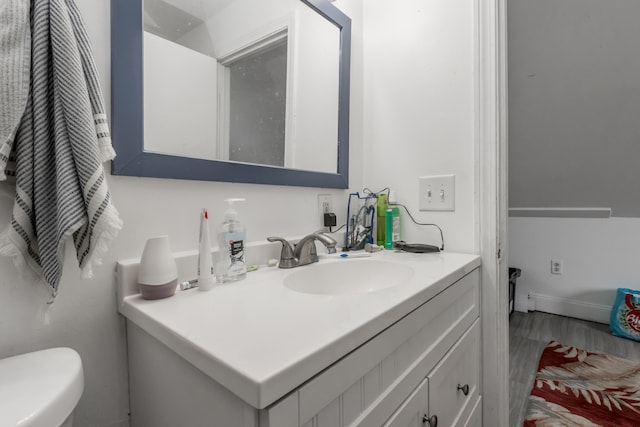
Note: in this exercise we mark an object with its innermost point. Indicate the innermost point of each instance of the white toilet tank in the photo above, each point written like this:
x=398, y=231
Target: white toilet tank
x=40, y=389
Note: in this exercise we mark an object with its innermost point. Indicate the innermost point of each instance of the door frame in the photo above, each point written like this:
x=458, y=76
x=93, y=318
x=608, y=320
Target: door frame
x=491, y=190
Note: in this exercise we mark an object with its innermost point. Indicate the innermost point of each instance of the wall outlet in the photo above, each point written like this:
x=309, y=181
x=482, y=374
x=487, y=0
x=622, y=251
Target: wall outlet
x=556, y=266
x=325, y=205
x=437, y=193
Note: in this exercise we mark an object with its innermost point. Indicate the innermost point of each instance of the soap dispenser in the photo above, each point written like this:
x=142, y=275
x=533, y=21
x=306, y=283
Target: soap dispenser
x=231, y=240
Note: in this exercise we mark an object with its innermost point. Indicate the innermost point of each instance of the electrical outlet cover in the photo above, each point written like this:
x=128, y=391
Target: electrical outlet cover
x=556, y=266
x=325, y=205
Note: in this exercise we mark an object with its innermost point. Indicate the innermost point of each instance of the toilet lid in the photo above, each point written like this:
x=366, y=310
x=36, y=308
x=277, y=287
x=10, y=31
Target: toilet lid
x=40, y=388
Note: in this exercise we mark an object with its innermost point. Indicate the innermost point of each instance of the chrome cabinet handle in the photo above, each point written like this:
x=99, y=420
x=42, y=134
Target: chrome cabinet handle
x=464, y=388
x=431, y=422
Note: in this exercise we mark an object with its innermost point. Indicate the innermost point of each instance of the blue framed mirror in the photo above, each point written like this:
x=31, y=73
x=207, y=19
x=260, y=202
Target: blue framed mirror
x=302, y=118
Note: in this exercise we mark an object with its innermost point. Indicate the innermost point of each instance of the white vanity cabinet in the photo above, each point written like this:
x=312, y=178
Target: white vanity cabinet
x=425, y=366
x=422, y=365
x=448, y=396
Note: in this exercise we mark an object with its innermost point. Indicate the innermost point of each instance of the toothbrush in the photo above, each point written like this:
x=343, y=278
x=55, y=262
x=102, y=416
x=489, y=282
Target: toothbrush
x=357, y=255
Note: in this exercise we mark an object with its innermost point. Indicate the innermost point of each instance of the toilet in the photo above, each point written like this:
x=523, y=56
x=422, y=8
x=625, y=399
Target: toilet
x=40, y=389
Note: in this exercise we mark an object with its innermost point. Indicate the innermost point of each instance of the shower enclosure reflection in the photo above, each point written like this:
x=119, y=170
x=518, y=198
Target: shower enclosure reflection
x=258, y=88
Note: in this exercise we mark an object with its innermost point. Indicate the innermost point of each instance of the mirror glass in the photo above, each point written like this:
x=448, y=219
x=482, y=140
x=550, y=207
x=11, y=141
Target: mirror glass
x=233, y=87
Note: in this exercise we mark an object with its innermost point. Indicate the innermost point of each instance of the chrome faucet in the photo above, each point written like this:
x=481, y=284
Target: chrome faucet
x=305, y=250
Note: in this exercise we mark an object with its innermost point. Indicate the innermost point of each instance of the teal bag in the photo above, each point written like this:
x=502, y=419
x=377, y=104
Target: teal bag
x=625, y=314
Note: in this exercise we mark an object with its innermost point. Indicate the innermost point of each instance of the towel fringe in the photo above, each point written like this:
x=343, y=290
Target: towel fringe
x=26, y=271
x=106, y=232
x=44, y=313
x=9, y=249
x=106, y=152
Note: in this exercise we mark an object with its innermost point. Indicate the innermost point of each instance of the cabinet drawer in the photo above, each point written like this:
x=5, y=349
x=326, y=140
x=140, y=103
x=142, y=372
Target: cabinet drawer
x=412, y=411
x=475, y=419
x=454, y=382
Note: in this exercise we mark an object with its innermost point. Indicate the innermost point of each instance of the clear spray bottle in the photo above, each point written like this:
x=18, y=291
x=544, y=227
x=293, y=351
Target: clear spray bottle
x=231, y=264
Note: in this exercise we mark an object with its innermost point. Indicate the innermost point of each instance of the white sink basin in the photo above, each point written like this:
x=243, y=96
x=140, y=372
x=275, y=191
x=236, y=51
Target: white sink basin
x=347, y=277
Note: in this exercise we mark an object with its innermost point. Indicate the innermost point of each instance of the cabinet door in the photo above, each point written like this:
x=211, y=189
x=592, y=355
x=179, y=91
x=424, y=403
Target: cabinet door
x=454, y=382
x=413, y=410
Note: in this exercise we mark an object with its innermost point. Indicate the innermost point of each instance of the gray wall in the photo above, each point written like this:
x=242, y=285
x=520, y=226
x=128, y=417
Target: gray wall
x=574, y=104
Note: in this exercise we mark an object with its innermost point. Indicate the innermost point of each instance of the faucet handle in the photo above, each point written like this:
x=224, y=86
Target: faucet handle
x=287, y=260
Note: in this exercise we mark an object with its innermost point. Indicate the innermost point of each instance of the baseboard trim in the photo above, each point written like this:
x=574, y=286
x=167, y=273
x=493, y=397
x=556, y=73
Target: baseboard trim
x=522, y=303
x=572, y=308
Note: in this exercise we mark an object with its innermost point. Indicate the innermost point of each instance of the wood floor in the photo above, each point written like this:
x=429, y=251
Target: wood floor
x=529, y=334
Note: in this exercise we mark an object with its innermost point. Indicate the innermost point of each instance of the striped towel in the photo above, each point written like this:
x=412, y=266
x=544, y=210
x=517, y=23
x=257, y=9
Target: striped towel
x=15, y=60
x=60, y=145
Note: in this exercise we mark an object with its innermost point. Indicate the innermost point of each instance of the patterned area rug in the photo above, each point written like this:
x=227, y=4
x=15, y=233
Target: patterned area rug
x=574, y=387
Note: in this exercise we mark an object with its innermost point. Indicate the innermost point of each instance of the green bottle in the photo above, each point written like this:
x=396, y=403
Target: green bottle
x=392, y=227
x=381, y=215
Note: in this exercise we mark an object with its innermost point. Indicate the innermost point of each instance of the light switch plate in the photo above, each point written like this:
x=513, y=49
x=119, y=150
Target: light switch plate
x=437, y=193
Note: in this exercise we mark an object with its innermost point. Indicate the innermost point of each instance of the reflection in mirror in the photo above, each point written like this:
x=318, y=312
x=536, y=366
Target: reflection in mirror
x=263, y=91
x=228, y=95
x=257, y=106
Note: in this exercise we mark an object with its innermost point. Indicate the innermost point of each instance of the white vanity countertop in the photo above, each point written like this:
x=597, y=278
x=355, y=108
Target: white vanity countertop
x=261, y=340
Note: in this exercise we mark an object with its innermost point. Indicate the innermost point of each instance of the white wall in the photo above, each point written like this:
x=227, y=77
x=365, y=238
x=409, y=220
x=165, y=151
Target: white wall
x=84, y=315
x=599, y=256
x=573, y=100
x=419, y=109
